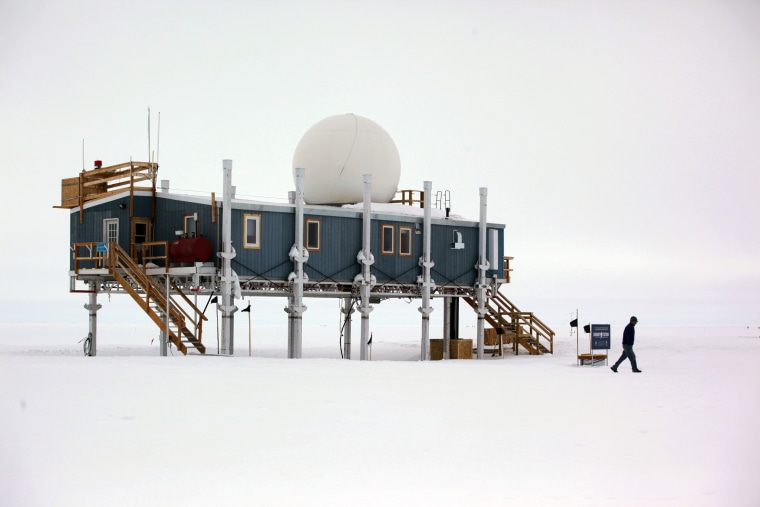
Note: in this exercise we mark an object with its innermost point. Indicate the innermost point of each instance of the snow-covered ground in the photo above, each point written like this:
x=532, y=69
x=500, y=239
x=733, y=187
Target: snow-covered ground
x=130, y=428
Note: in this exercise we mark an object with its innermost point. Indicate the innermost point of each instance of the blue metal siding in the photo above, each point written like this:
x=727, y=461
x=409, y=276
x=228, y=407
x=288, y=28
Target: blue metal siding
x=498, y=269
x=271, y=261
x=91, y=228
x=170, y=217
x=340, y=240
x=394, y=267
x=456, y=267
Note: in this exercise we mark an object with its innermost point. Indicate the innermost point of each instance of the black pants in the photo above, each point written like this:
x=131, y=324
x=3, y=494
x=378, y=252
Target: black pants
x=629, y=354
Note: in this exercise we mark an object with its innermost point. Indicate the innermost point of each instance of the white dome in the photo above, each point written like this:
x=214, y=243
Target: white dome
x=338, y=151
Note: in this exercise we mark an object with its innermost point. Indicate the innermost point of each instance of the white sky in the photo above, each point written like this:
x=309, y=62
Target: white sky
x=618, y=139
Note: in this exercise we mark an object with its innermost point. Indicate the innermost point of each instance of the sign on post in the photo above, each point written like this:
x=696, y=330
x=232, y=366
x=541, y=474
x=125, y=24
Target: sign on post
x=600, y=336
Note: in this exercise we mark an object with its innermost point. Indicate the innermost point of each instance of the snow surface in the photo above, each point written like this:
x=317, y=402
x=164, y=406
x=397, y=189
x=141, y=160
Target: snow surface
x=130, y=428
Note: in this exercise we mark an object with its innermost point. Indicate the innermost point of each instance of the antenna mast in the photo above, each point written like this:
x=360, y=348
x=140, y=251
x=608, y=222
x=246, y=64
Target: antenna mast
x=158, y=136
x=149, y=158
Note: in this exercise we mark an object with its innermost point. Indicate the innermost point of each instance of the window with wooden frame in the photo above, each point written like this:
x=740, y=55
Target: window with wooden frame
x=405, y=241
x=251, y=231
x=312, y=234
x=387, y=233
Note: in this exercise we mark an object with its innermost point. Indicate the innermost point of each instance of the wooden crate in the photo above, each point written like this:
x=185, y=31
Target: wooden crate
x=490, y=338
x=458, y=349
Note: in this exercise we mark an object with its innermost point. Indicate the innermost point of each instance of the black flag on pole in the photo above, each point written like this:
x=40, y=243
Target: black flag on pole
x=574, y=323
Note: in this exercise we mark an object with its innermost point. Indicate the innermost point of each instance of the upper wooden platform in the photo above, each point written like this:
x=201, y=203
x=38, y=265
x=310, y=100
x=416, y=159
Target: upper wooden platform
x=104, y=181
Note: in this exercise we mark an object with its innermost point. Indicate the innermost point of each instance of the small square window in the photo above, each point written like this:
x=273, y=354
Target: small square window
x=251, y=231
x=386, y=239
x=405, y=241
x=312, y=234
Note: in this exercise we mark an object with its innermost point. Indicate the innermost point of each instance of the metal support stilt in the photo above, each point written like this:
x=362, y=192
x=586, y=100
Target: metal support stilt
x=425, y=280
x=482, y=266
x=228, y=253
x=347, y=310
x=447, y=327
x=365, y=279
x=92, y=307
x=165, y=332
x=298, y=255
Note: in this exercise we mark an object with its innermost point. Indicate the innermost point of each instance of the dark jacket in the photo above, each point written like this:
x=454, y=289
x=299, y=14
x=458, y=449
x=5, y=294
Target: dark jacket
x=628, y=334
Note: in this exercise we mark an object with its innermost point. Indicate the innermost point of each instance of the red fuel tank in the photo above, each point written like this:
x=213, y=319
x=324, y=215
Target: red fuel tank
x=190, y=250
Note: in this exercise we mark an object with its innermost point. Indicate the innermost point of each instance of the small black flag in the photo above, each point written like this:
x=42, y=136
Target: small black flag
x=248, y=309
x=574, y=323
x=587, y=328
x=370, y=339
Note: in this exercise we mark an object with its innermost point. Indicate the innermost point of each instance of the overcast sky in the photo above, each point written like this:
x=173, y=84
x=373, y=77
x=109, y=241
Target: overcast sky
x=618, y=140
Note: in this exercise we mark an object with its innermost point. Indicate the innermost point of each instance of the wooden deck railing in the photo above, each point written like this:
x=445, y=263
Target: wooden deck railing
x=411, y=197
x=526, y=324
x=143, y=253
x=93, y=253
x=519, y=328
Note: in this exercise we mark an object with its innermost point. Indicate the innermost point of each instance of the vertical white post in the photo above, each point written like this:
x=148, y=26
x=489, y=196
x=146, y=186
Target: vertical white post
x=365, y=278
x=426, y=281
x=299, y=255
x=482, y=267
x=228, y=307
x=577, y=346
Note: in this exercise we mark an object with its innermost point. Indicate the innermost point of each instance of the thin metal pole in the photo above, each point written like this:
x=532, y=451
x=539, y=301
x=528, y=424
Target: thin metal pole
x=158, y=136
x=577, y=345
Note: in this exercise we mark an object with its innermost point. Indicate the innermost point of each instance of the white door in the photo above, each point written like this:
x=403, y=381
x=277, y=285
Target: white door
x=111, y=230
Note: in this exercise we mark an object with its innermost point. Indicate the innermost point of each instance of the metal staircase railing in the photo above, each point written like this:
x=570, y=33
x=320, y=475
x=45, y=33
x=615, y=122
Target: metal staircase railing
x=150, y=293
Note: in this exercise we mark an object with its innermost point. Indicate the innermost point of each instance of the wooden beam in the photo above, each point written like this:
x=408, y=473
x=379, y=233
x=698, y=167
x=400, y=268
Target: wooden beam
x=117, y=176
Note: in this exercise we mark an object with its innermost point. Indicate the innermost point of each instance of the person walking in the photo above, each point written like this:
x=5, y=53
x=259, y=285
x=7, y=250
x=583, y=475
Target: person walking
x=628, y=335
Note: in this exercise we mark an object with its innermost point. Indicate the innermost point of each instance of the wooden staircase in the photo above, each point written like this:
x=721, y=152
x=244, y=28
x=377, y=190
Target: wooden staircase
x=149, y=291
x=511, y=326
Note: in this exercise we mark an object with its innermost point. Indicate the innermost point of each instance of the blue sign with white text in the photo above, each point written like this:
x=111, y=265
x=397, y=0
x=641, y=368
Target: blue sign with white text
x=600, y=336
